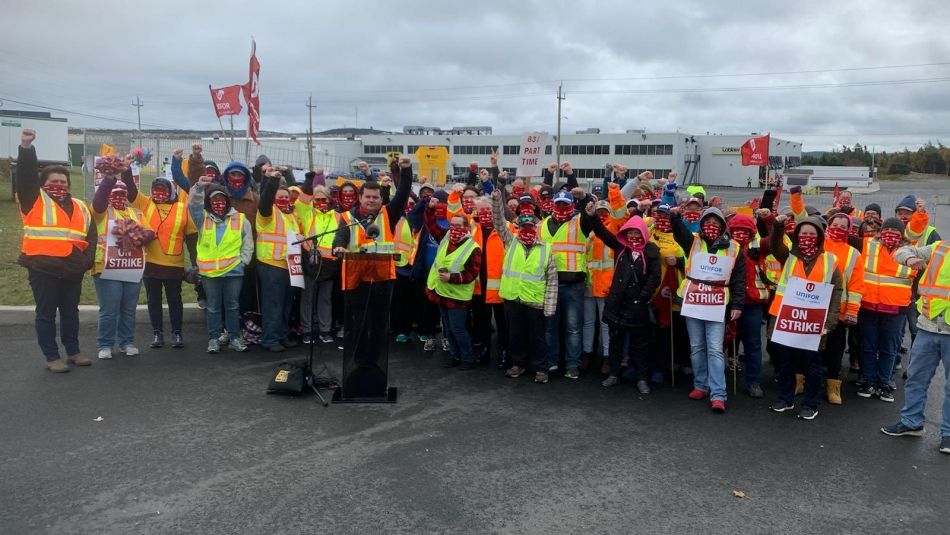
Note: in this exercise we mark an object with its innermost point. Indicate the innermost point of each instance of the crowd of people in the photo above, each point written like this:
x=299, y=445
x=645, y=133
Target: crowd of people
x=538, y=279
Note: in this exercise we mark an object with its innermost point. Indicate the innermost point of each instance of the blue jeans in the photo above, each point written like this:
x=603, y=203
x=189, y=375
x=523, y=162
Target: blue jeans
x=570, y=308
x=705, y=353
x=223, y=304
x=453, y=326
x=750, y=332
x=117, y=300
x=593, y=307
x=879, y=344
x=928, y=351
x=276, y=299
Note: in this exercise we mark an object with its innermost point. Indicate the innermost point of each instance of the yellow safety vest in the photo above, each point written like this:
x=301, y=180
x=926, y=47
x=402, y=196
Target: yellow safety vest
x=524, y=276
x=271, y=242
x=454, y=262
x=217, y=258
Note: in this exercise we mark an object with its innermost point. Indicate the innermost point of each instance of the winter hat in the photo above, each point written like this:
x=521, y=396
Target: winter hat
x=873, y=207
x=742, y=221
x=908, y=203
x=601, y=205
x=664, y=208
x=894, y=223
x=261, y=160
x=840, y=215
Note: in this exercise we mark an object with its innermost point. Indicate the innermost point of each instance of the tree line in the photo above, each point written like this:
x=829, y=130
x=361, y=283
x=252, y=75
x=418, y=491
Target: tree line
x=930, y=158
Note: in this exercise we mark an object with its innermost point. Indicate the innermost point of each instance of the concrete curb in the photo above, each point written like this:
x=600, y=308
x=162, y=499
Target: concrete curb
x=89, y=314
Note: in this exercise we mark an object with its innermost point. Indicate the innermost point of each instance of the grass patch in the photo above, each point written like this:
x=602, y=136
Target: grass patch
x=14, y=287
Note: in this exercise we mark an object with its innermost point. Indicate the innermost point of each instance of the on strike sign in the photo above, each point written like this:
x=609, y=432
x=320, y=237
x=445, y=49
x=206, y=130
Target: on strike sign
x=704, y=301
x=802, y=314
x=294, y=260
x=529, y=158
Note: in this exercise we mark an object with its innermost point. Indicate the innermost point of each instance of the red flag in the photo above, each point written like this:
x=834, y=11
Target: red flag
x=226, y=100
x=252, y=97
x=755, y=151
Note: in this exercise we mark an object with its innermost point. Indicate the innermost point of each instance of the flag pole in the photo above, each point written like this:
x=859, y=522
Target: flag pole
x=232, y=137
x=672, y=343
x=223, y=135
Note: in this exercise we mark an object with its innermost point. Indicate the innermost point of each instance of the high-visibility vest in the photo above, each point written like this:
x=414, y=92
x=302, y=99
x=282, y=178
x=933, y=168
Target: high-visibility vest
x=568, y=244
x=848, y=259
x=169, y=232
x=405, y=242
x=699, y=247
x=217, y=258
x=492, y=256
x=822, y=271
x=772, y=267
x=755, y=288
x=885, y=281
x=384, y=243
x=922, y=241
x=102, y=227
x=934, y=285
x=454, y=262
x=524, y=276
x=600, y=267
x=325, y=224
x=271, y=241
x=48, y=231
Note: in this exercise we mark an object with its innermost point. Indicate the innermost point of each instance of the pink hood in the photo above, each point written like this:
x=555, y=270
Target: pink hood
x=635, y=222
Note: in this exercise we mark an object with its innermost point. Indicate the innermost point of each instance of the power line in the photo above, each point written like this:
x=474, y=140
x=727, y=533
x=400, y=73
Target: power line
x=81, y=114
x=765, y=87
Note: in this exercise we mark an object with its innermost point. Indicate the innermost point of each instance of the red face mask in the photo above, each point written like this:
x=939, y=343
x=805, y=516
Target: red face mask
x=837, y=234
x=692, y=215
x=547, y=205
x=322, y=204
x=409, y=206
x=517, y=191
x=636, y=240
x=528, y=235
x=525, y=208
x=468, y=205
x=284, y=205
x=209, y=172
x=890, y=238
x=440, y=211
x=790, y=226
x=563, y=212
x=347, y=199
x=160, y=194
x=236, y=182
x=218, y=205
x=711, y=230
x=663, y=224
x=457, y=234
x=57, y=192
x=118, y=200
x=741, y=235
x=808, y=246
x=845, y=202
x=484, y=218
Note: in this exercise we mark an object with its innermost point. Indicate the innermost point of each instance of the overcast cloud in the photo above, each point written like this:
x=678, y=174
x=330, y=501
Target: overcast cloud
x=495, y=63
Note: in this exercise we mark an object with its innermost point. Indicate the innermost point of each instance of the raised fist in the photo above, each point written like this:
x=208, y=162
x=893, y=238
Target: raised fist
x=196, y=148
x=590, y=209
x=566, y=167
x=404, y=162
x=178, y=153
x=26, y=137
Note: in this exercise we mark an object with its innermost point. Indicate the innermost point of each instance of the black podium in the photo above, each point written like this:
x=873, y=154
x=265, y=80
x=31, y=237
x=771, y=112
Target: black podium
x=368, y=280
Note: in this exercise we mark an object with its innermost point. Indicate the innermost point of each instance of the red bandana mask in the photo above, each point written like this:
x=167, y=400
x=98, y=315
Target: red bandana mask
x=218, y=205
x=790, y=226
x=808, y=246
x=160, y=195
x=347, y=199
x=484, y=218
x=284, y=205
x=525, y=208
x=563, y=212
x=235, y=183
x=711, y=231
x=517, y=191
x=663, y=224
x=844, y=202
x=528, y=235
x=57, y=192
x=741, y=235
x=890, y=238
x=209, y=172
x=118, y=200
x=322, y=204
x=837, y=234
x=692, y=215
x=456, y=235
x=440, y=211
x=636, y=241
x=547, y=205
x=468, y=205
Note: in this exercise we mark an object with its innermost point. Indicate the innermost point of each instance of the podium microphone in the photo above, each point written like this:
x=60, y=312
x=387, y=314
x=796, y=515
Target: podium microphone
x=372, y=231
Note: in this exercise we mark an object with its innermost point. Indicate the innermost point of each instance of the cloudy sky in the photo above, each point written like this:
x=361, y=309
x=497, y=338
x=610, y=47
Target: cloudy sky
x=825, y=73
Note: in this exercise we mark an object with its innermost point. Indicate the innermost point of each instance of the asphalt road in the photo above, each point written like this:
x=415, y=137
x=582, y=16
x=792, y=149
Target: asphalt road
x=189, y=443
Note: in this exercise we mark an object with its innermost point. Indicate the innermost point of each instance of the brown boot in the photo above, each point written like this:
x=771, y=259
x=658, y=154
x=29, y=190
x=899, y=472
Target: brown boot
x=79, y=360
x=833, y=389
x=799, y=384
x=57, y=366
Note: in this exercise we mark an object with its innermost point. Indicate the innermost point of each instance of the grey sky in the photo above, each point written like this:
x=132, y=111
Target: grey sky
x=496, y=64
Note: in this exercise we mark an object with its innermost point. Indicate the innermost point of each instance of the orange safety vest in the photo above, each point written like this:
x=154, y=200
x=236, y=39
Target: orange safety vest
x=885, y=281
x=822, y=271
x=169, y=232
x=384, y=243
x=48, y=231
x=851, y=266
x=494, y=256
x=600, y=266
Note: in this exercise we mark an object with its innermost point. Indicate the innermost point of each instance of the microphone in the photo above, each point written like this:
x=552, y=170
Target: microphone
x=372, y=231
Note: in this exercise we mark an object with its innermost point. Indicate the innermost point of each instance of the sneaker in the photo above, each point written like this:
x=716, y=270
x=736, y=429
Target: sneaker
x=514, y=372
x=327, y=338
x=552, y=368
x=237, y=345
x=781, y=406
x=755, y=391
x=177, y=341
x=541, y=377
x=643, y=387
x=429, y=345
x=612, y=380
x=866, y=391
x=105, y=353
x=57, y=366
x=901, y=430
x=423, y=338
x=698, y=394
x=224, y=338
x=79, y=360
x=886, y=395
x=213, y=346
x=944, y=444
x=306, y=339
x=807, y=413
x=129, y=350
x=401, y=339
x=445, y=345
x=718, y=406
x=571, y=373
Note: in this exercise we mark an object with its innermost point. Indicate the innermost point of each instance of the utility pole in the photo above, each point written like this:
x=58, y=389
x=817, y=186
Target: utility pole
x=310, y=108
x=138, y=110
x=356, y=116
x=560, y=97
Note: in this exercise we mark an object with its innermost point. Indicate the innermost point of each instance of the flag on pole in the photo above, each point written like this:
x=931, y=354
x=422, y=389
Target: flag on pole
x=252, y=97
x=226, y=100
x=755, y=151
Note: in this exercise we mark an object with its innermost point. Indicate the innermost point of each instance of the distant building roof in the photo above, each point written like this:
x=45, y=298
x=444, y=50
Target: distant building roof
x=30, y=115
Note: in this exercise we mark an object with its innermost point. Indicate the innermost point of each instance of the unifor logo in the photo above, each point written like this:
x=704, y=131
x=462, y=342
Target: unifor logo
x=713, y=260
x=752, y=144
x=220, y=94
x=810, y=287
